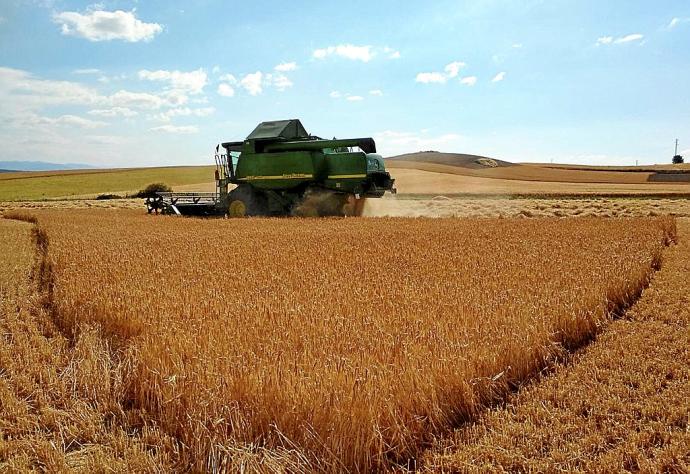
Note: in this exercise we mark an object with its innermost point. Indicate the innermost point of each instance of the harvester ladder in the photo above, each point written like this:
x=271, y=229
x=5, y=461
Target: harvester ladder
x=221, y=172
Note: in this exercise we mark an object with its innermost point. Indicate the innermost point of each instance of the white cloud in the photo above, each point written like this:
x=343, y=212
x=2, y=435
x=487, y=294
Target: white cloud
x=356, y=53
x=629, y=38
x=192, y=82
x=226, y=90
x=144, y=100
x=21, y=93
x=21, y=90
x=103, y=140
x=469, y=80
x=174, y=98
x=450, y=70
x=286, y=67
x=499, y=77
x=114, y=112
x=377, y=92
x=2, y=20
x=348, y=51
x=183, y=129
x=677, y=21
x=453, y=69
x=393, y=143
x=517, y=45
x=605, y=40
x=228, y=78
x=137, y=100
x=105, y=79
x=72, y=121
x=252, y=83
x=183, y=112
x=431, y=77
x=86, y=71
x=280, y=82
x=352, y=97
x=391, y=53
x=99, y=25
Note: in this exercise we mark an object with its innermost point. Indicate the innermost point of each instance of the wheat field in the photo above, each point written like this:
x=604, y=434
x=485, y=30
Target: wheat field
x=328, y=345
x=620, y=405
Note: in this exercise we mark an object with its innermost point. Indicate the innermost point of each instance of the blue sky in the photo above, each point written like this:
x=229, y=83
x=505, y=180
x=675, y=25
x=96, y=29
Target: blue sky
x=126, y=83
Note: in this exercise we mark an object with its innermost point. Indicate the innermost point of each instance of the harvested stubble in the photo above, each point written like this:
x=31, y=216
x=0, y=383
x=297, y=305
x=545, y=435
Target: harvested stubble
x=621, y=405
x=335, y=344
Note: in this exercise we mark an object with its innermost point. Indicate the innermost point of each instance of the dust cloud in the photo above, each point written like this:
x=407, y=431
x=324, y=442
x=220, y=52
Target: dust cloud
x=321, y=204
x=393, y=206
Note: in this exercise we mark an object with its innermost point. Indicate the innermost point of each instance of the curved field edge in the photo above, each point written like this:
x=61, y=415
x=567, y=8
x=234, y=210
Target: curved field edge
x=620, y=405
x=162, y=380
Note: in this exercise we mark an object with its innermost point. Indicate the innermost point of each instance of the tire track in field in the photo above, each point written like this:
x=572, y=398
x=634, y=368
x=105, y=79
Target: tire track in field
x=620, y=405
x=59, y=395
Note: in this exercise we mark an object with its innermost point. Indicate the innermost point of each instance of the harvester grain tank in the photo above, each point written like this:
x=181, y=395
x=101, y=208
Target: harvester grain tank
x=278, y=168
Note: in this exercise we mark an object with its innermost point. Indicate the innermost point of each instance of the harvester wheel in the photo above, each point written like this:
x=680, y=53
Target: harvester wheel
x=237, y=208
x=246, y=201
x=154, y=204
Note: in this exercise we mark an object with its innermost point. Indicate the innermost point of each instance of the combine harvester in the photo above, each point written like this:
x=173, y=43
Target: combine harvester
x=281, y=170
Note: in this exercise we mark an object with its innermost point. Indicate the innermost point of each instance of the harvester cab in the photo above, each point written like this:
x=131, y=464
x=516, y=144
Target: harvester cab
x=279, y=167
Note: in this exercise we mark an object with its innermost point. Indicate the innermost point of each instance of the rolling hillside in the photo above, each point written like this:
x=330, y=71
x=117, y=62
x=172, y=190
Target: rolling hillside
x=483, y=167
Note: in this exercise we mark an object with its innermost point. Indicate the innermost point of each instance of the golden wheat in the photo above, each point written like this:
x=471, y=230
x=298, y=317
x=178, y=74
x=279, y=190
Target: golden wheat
x=620, y=405
x=333, y=344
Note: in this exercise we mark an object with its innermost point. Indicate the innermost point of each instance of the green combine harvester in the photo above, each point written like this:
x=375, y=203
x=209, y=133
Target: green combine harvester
x=281, y=170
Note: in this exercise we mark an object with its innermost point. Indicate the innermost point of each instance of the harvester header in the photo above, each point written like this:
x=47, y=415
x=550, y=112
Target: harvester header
x=277, y=166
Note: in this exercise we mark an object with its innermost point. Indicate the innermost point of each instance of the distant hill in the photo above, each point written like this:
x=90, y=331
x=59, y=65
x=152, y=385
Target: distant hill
x=452, y=159
x=41, y=166
x=484, y=167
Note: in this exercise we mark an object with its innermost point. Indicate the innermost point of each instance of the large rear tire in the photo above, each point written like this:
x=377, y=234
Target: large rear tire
x=246, y=201
x=237, y=208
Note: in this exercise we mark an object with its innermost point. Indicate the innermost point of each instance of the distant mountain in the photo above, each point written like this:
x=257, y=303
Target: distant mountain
x=41, y=166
